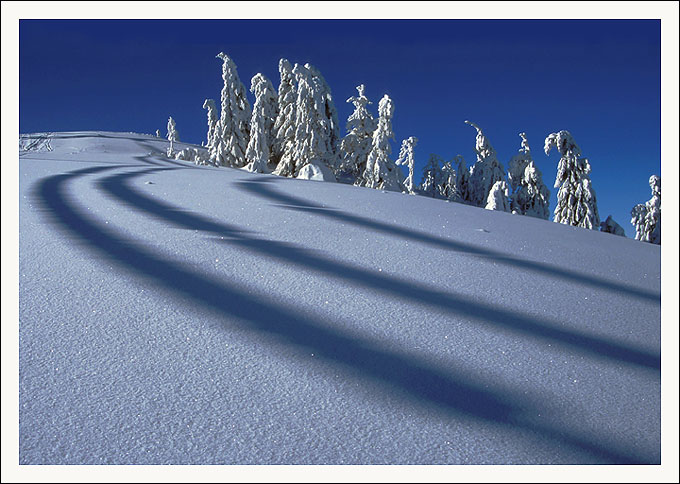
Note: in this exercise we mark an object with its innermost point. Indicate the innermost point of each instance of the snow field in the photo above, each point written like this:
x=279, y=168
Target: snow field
x=196, y=315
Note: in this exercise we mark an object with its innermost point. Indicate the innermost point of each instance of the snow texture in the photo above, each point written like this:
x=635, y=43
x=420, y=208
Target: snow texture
x=173, y=313
x=576, y=200
x=647, y=218
x=486, y=171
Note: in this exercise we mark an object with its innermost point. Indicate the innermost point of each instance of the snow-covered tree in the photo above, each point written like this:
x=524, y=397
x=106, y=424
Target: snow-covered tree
x=462, y=180
x=406, y=158
x=381, y=172
x=327, y=118
x=261, y=124
x=448, y=184
x=315, y=125
x=199, y=157
x=209, y=104
x=647, y=218
x=486, y=171
x=576, y=201
x=284, y=126
x=158, y=133
x=529, y=195
x=173, y=135
x=432, y=176
x=355, y=147
x=233, y=130
x=498, y=197
x=610, y=226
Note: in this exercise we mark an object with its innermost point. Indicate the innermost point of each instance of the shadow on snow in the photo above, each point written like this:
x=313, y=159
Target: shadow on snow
x=445, y=388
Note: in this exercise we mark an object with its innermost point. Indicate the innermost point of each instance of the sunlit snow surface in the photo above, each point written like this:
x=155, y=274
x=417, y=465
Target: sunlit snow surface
x=175, y=314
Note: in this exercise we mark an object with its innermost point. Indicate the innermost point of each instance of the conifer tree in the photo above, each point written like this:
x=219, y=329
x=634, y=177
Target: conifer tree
x=529, y=195
x=406, y=158
x=498, y=197
x=486, y=171
x=261, y=124
x=355, y=147
x=449, y=178
x=209, y=104
x=173, y=135
x=381, y=172
x=315, y=123
x=462, y=180
x=647, y=218
x=327, y=118
x=284, y=126
x=432, y=176
x=576, y=201
x=232, y=131
x=610, y=226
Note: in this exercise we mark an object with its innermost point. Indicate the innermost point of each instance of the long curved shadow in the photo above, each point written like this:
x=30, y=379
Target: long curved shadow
x=448, y=390
x=259, y=187
x=118, y=186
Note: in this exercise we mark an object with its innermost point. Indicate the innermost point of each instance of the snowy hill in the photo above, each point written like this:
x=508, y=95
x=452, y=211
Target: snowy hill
x=176, y=314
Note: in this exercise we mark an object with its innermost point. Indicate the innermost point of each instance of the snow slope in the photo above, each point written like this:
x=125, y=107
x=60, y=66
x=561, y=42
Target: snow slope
x=175, y=314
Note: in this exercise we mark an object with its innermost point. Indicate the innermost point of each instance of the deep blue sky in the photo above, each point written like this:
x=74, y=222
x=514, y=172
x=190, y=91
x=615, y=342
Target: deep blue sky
x=599, y=79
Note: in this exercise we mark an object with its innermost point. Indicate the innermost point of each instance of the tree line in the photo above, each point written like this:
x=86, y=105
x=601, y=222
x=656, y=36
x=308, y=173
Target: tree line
x=294, y=132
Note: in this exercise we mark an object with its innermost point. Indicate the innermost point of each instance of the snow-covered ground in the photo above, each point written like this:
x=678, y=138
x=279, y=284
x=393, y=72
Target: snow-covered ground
x=176, y=314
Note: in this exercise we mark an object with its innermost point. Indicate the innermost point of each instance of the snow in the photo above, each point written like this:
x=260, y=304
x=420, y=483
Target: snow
x=316, y=171
x=171, y=313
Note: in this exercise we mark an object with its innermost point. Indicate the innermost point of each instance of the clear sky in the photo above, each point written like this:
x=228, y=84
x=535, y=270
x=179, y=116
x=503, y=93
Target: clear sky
x=598, y=79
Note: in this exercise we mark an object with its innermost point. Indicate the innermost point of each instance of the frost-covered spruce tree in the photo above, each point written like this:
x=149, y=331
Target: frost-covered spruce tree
x=381, y=172
x=498, y=197
x=209, y=104
x=284, y=126
x=486, y=171
x=173, y=135
x=448, y=185
x=647, y=218
x=529, y=195
x=406, y=158
x=610, y=226
x=232, y=132
x=261, y=124
x=315, y=125
x=304, y=145
x=462, y=180
x=158, y=133
x=432, y=176
x=355, y=147
x=327, y=117
x=576, y=201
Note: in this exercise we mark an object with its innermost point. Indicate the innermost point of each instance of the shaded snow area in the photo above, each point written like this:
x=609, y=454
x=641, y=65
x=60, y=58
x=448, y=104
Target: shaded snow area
x=180, y=314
